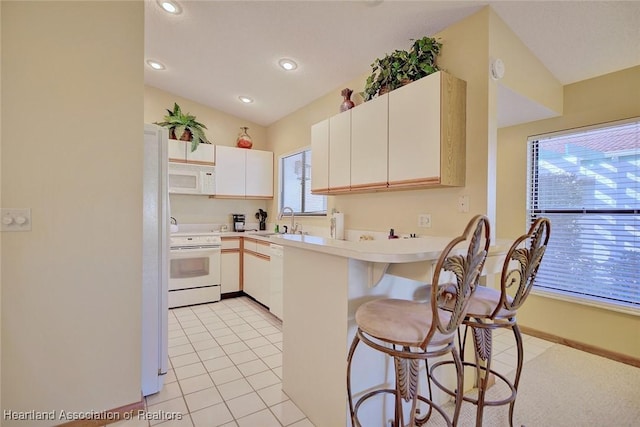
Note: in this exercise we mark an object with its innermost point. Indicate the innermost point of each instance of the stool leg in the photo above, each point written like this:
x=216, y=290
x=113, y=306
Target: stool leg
x=352, y=350
x=518, y=337
x=406, y=371
x=460, y=385
x=482, y=338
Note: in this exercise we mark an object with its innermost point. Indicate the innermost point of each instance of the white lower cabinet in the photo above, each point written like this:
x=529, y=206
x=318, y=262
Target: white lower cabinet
x=230, y=264
x=256, y=271
x=277, y=272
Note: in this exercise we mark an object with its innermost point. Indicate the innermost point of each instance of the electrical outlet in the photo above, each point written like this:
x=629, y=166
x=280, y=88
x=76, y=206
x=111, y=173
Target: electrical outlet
x=463, y=204
x=424, y=220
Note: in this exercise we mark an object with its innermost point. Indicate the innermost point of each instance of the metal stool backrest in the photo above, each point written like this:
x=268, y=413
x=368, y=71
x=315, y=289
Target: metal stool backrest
x=449, y=301
x=528, y=259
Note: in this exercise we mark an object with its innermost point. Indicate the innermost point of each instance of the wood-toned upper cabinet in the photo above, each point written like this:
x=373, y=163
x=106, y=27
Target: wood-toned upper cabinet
x=320, y=157
x=340, y=152
x=369, y=134
x=427, y=134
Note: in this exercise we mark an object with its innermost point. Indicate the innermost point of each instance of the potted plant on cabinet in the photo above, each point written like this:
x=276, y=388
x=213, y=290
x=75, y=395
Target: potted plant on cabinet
x=401, y=67
x=184, y=127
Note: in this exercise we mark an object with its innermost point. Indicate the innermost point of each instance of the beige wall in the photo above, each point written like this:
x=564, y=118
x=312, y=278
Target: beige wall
x=222, y=129
x=524, y=74
x=607, y=98
x=0, y=206
x=72, y=89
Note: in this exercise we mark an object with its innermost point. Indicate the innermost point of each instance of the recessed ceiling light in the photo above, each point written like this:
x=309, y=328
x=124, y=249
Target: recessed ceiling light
x=245, y=99
x=155, y=64
x=288, y=64
x=170, y=6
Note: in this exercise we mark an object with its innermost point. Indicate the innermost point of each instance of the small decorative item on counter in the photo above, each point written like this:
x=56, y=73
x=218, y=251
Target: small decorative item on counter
x=261, y=216
x=244, y=140
x=347, y=103
x=392, y=234
x=277, y=229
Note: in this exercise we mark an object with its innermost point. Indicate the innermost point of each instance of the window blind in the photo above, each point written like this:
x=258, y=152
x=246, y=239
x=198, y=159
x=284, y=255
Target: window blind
x=587, y=182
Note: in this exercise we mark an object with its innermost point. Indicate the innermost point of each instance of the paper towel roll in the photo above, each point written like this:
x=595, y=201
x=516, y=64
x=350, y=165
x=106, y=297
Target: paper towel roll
x=338, y=217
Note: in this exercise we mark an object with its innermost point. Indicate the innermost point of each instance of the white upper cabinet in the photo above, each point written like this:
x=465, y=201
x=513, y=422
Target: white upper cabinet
x=259, y=174
x=230, y=171
x=180, y=152
x=369, y=135
x=243, y=173
x=331, y=155
x=320, y=157
x=427, y=133
x=340, y=152
x=412, y=137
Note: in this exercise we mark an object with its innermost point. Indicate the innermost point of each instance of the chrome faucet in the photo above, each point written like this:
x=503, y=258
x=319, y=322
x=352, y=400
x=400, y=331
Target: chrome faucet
x=292, y=227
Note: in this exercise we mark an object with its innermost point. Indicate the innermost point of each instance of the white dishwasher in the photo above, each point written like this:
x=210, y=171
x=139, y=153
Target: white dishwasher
x=276, y=266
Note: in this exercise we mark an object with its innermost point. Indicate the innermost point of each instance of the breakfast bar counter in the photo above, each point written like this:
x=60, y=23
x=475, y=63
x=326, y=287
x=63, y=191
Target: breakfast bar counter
x=325, y=281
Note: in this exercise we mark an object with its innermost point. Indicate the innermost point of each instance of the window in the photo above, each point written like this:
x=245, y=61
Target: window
x=295, y=185
x=587, y=182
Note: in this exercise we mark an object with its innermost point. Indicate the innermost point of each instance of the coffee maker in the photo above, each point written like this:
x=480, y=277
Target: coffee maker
x=238, y=222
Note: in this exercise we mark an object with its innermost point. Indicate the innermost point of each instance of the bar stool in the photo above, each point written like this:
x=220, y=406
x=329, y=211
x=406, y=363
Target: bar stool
x=491, y=309
x=411, y=331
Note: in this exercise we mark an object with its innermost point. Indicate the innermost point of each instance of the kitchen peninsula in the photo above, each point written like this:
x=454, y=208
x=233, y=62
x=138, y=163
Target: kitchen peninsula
x=325, y=281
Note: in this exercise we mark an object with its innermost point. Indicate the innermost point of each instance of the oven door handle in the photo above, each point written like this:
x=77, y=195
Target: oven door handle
x=190, y=249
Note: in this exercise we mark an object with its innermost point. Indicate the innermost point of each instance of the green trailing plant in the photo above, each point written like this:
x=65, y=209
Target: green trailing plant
x=184, y=127
x=402, y=67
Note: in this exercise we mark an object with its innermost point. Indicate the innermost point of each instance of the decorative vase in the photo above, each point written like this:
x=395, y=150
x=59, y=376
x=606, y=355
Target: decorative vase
x=244, y=140
x=347, y=103
x=186, y=135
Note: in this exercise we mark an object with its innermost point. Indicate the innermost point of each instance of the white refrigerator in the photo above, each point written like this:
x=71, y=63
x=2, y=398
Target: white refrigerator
x=155, y=253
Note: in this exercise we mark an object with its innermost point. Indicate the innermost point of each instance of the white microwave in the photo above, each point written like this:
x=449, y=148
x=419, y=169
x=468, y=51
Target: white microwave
x=191, y=179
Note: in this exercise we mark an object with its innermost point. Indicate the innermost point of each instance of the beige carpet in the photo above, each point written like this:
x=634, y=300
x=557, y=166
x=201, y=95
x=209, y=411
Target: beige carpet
x=563, y=387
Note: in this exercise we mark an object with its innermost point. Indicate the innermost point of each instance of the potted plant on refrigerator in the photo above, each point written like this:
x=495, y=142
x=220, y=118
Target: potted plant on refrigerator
x=184, y=127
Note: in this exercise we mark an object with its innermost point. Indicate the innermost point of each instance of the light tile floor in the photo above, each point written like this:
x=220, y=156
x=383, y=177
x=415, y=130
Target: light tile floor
x=226, y=368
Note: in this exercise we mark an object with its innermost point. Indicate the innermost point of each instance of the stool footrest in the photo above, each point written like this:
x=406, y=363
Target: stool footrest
x=419, y=421
x=470, y=399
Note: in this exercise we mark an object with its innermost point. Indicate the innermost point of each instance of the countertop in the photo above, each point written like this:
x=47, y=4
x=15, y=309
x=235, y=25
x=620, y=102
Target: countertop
x=384, y=251
x=256, y=234
x=401, y=250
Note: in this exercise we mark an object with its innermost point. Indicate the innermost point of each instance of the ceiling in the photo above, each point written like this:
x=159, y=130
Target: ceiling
x=216, y=51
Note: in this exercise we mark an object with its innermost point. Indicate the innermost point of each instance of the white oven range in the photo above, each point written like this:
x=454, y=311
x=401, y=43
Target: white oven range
x=194, y=268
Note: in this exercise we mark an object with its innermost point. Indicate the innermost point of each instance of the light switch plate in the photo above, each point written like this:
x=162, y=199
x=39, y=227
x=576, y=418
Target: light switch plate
x=424, y=220
x=15, y=219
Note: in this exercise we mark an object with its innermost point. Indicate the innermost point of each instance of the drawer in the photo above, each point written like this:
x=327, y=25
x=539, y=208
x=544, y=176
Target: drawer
x=231, y=242
x=258, y=246
x=184, y=297
x=250, y=244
